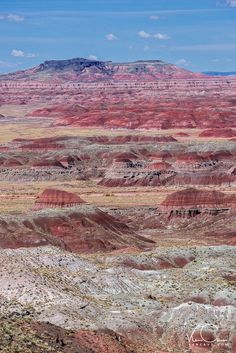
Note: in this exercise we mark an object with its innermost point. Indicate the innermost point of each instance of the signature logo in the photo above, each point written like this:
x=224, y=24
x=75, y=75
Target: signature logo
x=205, y=336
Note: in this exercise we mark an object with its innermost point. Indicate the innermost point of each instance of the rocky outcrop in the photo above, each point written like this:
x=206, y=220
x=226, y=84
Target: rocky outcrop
x=187, y=169
x=131, y=139
x=125, y=172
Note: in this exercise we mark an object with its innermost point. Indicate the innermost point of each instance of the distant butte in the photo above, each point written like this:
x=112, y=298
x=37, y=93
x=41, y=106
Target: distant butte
x=84, y=70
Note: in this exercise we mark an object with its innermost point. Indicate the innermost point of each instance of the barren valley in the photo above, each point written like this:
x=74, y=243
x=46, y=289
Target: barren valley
x=118, y=209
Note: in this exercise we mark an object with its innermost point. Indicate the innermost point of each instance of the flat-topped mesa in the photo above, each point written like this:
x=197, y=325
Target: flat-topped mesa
x=85, y=70
x=77, y=65
x=192, y=202
x=53, y=198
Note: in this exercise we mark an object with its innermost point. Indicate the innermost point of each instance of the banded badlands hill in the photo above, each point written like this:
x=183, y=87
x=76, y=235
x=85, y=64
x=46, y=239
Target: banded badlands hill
x=118, y=209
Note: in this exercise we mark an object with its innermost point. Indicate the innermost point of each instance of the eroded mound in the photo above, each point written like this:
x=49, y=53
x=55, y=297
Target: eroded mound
x=57, y=198
x=218, y=133
x=199, y=198
x=191, y=202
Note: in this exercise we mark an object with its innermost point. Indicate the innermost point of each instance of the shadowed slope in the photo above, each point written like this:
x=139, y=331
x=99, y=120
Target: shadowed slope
x=82, y=229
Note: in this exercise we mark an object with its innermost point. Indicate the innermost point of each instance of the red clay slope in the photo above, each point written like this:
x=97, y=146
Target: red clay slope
x=85, y=229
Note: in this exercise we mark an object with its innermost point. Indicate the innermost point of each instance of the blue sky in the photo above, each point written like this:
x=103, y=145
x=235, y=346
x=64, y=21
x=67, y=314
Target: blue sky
x=199, y=35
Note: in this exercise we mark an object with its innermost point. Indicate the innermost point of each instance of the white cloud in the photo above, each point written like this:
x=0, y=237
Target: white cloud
x=111, y=37
x=146, y=35
x=12, y=17
x=18, y=53
x=146, y=48
x=92, y=57
x=182, y=62
x=16, y=18
x=143, y=34
x=231, y=3
x=154, y=17
x=21, y=54
x=161, y=36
